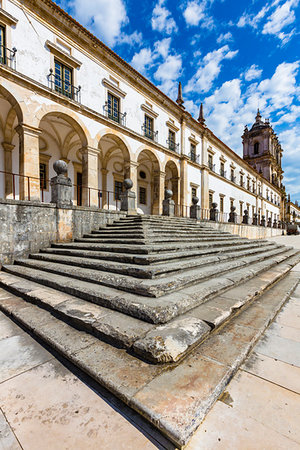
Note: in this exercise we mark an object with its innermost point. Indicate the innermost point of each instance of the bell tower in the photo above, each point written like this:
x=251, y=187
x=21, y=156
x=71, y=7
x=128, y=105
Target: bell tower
x=262, y=150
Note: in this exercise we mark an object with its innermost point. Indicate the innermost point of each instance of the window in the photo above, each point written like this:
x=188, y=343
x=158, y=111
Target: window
x=63, y=79
x=43, y=176
x=248, y=184
x=253, y=211
x=171, y=140
x=222, y=169
x=256, y=148
x=113, y=107
x=142, y=195
x=148, y=127
x=193, y=152
x=118, y=189
x=231, y=203
x=194, y=192
x=221, y=204
x=210, y=162
x=2, y=45
x=210, y=199
x=241, y=208
x=242, y=180
x=232, y=177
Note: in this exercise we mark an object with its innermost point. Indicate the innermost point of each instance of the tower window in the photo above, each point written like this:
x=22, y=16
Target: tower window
x=256, y=148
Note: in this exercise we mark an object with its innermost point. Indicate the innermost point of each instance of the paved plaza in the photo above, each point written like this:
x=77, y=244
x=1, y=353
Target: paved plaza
x=46, y=404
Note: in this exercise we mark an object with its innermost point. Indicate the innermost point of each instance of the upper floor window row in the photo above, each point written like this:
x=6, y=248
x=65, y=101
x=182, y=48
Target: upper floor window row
x=7, y=55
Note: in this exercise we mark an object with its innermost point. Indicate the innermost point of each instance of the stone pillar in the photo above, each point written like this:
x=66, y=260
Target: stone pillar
x=128, y=198
x=9, y=182
x=275, y=223
x=195, y=210
x=232, y=215
x=182, y=135
x=255, y=219
x=29, y=188
x=269, y=223
x=246, y=217
x=214, y=213
x=61, y=186
x=168, y=204
x=263, y=221
x=130, y=171
x=104, y=188
x=158, y=191
x=183, y=183
x=90, y=176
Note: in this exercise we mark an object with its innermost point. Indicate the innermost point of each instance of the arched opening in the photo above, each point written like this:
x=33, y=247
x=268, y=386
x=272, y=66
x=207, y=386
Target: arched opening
x=148, y=179
x=172, y=180
x=256, y=148
x=114, y=163
x=10, y=117
x=61, y=138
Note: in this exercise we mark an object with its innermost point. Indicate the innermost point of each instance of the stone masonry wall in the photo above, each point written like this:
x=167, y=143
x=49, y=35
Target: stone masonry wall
x=247, y=231
x=27, y=227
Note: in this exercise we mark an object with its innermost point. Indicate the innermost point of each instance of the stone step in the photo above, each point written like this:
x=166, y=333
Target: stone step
x=176, y=398
x=155, y=258
x=156, y=287
x=150, y=271
x=153, y=310
x=162, y=239
x=153, y=233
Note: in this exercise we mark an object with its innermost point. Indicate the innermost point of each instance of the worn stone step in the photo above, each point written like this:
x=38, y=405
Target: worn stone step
x=147, y=287
x=150, y=271
x=110, y=236
x=153, y=310
x=156, y=258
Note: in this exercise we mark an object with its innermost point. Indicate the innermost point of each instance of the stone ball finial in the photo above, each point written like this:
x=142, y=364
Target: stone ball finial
x=246, y=212
x=214, y=205
x=168, y=193
x=60, y=167
x=127, y=183
x=195, y=200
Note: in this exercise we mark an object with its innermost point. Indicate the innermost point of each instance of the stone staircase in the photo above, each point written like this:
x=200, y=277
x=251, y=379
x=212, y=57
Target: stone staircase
x=149, y=284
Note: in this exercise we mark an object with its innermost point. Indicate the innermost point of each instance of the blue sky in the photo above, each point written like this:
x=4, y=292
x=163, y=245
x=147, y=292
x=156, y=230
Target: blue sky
x=233, y=56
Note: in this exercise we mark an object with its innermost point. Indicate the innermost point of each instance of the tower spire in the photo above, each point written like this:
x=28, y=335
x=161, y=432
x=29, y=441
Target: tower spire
x=180, y=100
x=258, y=116
x=201, y=115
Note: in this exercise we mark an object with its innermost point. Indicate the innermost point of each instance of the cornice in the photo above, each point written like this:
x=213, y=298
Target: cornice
x=7, y=18
x=67, y=58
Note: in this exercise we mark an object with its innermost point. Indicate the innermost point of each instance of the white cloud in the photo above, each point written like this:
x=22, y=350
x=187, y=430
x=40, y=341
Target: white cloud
x=225, y=37
x=280, y=18
x=105, y=17
x=130, y=39
x=195, y=12
x=253, y=73
x=162, y=20
x=209, y=69
x=168, y=73
x=253, y=19
x=142, y=60
x=162, y=47
x=289, y=117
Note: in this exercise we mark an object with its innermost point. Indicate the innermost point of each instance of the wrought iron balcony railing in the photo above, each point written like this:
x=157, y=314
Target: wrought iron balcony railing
x=114, y=114
x=212, y=167
x=223, y=173
x=233, y=179
x=194, y=157
x=8, y=56
x=63, y=87
x=172, y=145
x=150, y=134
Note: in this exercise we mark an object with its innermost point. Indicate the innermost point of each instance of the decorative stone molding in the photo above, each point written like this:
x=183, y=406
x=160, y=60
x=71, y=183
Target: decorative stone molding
x=59, y=53
x=114, y=88
x=7, y=18
x=172, y=126
x=149, y=111
x=193, y=140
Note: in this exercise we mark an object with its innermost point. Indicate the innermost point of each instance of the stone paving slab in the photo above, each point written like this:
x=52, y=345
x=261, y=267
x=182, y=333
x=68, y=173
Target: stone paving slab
x=8, y=440
x=277, y=346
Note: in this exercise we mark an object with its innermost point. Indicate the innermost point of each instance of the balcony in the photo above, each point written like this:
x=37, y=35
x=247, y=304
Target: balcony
x=193, y=157
x=114, y=114
x=223, y=173
x=63, y=87
x=233, y=179
x=172, y=145
x=212, y=167
x=150, y=134
x=8, y=56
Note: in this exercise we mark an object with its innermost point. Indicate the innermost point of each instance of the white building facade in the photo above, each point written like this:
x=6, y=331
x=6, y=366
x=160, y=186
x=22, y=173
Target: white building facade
x=65, y=95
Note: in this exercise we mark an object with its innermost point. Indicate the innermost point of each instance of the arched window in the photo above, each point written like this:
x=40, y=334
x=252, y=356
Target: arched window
x=256, y=148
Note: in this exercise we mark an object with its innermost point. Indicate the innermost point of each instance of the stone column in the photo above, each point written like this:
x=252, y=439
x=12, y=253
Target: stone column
x=204, y=175
x=130, y=171
x=104, y=188
x=29, y=188
x=158, y=191
x=9, y=182
x=90, y=176
x=182, y=135
x=183, y=183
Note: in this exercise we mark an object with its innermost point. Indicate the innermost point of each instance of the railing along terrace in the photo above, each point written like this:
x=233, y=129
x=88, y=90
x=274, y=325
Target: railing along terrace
x=104, y=199
x=182, y=210
x=29, y=185
x=150, y=134
x=193, y=157
x=172, y=145
x=8, y=56
x=63, y=87
x=114, y=114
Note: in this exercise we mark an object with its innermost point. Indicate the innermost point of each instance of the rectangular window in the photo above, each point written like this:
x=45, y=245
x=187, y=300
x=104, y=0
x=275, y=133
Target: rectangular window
x=232, y=175
x=142, y=196
x=248, y=184
x=222, y=169
x=63, y=79
x=210, y=162
x=2, y=45
x=253, y=211
x=210, y=199
x=231, y=203
x=43, y=176
x=193, y=152
x=194, y=192
x=118, y=189
x=241, y=209
x=148, y=127
x=172, y=140
x=113, y=104
x=221, y=204
x=241, y=180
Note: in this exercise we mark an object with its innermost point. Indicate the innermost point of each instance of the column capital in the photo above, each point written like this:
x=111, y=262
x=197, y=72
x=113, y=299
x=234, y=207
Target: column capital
x=104, y=171
x=28, y=129
x=132, y=164
x=8, y=147
x=90, y=150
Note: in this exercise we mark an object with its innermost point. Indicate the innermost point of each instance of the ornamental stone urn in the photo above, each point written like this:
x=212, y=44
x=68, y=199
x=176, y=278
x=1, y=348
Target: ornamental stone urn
x=214, y=213
x=168, y=204
x=128, y=197
x=195, y=210
x=61, y=185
